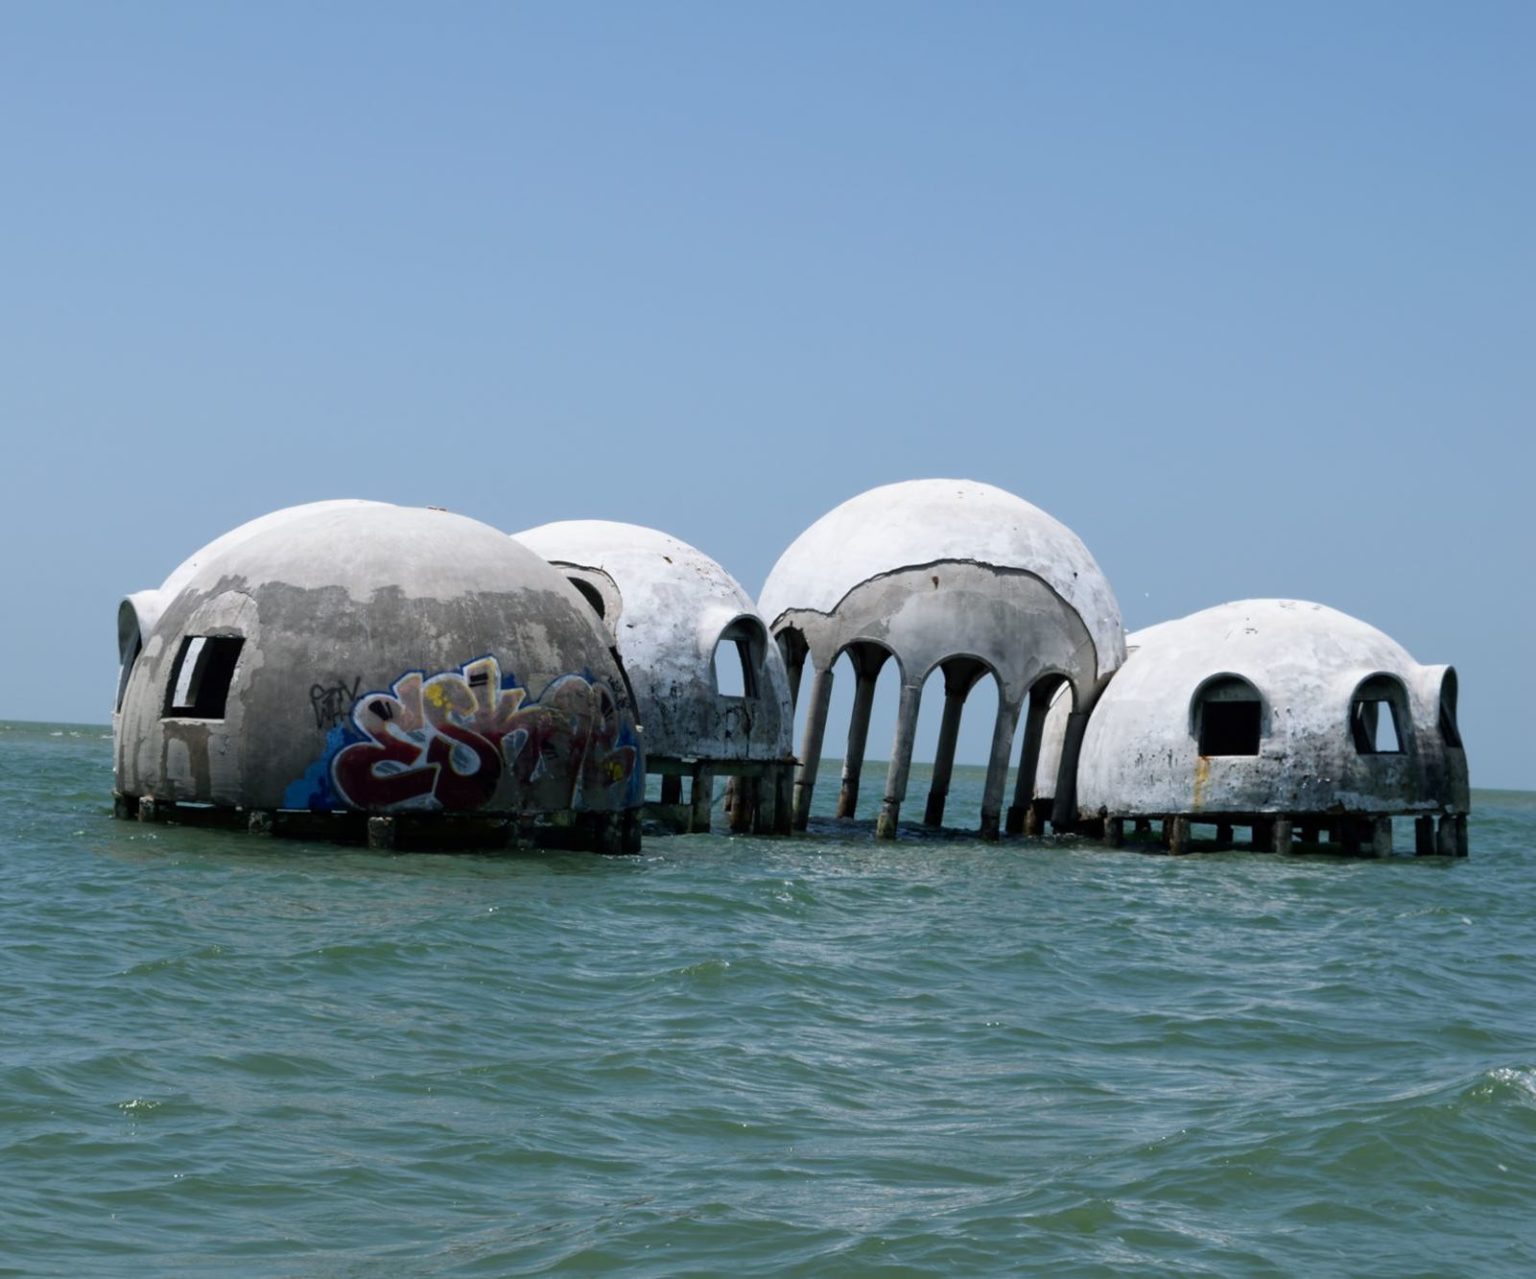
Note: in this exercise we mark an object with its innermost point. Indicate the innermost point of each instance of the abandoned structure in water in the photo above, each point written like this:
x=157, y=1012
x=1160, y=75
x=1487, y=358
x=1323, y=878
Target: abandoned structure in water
x=354, y=666
x=710, y=690
x=360, y=670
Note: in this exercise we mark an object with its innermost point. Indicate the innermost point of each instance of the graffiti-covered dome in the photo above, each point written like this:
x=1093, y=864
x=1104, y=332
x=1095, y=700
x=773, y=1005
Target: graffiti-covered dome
x=358, y=656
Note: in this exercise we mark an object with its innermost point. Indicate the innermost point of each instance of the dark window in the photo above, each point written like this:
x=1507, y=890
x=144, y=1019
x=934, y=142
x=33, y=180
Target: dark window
x=200, y=680
x=1229, y=728
x=1227, y=717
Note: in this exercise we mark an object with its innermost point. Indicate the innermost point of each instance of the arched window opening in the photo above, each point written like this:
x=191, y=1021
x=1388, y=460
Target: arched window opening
x=129, y=646
x=1228, y=717
x=1378, y=716
x=736, y=659
x=1450, y=734
x=589, y=593
x=201, y=676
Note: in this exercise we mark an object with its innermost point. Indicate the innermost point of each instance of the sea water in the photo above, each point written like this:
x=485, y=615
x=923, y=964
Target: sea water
x=226, y=1055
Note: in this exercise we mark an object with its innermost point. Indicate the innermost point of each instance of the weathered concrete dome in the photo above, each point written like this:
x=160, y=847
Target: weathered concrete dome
x=681, y=624
x=902, y=529
x=363, y=657
x=952, y=575
x=1273, y=707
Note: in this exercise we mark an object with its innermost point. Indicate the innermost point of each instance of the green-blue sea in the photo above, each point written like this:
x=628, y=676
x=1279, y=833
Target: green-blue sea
x=233, y=1056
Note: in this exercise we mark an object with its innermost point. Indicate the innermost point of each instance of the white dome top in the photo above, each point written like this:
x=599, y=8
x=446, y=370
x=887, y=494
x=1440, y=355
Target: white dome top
x=1290, y=644
x=187, y=569
x=665, y=583
x=922, y=522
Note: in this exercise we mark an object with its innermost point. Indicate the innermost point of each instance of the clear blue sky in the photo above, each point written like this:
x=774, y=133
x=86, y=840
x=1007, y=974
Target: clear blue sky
x=1242, y=294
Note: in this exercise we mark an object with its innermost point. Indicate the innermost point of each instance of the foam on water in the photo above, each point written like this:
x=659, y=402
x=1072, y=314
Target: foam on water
x=230, y=1056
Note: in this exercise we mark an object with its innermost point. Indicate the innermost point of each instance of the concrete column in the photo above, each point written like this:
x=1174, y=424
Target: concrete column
x=1224, y=834
x=744, y=811
x=794, y=670
x=1462, y=847
x=1177, y=829
x=381, y=833
x=810, y=747
x=783, y=799
x=1381, y=837
x=944, y=757
x=1263, y=833
x=901, y=761
x=1424, y=836
x=997, y=769
x=671, y=788
x=1114, y=831
x=765, y=805
x=1029, y=762
x=701, y=800
x=608, y=833
x=1064, y=814
x=1282, y=835
x=858, y=738
x=1445, y=836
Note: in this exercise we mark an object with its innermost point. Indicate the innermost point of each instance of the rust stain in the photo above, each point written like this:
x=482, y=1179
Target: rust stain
x=1202, y=779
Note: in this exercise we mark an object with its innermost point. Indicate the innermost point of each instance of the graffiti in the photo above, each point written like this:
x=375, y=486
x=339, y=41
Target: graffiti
x=454, y=739
x=330, y=703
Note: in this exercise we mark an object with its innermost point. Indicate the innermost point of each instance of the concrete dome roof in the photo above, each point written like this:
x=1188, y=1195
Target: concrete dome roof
x=668, y=606
x=671, y=594
x=141, y=610
x=921, y=522
x=1305, y=661
x=365, y=547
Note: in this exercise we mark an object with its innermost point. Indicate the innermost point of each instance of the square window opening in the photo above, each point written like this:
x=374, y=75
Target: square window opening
x=1230, y=728
x=202, y=675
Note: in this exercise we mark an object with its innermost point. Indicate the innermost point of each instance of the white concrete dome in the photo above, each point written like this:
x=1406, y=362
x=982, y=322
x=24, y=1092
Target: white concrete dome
x=922, y=522
x=948, y=576
x=369, y=657
x=680, y=622
x=1324, y=713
